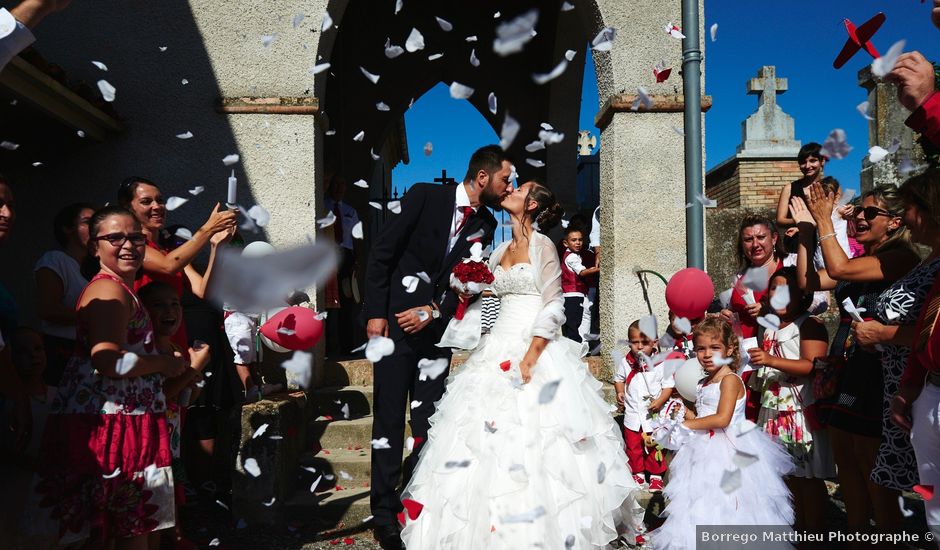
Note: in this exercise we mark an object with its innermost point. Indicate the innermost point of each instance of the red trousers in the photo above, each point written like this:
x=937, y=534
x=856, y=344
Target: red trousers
x=641, y=458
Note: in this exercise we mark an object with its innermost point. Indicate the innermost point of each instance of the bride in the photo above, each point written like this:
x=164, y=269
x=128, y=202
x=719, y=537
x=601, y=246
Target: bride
x=522, y=450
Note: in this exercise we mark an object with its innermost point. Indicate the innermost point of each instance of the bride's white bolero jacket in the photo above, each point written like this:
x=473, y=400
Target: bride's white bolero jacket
x=543, y=256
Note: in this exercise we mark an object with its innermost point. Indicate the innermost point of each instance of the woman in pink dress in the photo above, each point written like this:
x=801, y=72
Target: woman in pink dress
x=104, y=471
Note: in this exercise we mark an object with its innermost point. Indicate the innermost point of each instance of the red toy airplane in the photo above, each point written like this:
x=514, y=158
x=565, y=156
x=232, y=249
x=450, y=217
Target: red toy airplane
x=859, y=38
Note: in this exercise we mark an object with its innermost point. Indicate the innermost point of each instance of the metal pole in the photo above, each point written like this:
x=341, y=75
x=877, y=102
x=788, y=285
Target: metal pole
x=692, y=91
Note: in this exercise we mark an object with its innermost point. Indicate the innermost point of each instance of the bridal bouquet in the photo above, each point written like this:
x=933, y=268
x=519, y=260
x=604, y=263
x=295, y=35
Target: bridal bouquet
x=470, y=276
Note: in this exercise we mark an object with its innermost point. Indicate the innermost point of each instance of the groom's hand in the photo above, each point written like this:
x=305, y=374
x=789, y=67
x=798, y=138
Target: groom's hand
x=414, y=319
x=377, y=327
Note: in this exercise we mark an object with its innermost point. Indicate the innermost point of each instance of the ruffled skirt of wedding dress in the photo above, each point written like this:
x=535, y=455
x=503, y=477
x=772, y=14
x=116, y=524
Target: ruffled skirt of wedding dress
x=506, y=468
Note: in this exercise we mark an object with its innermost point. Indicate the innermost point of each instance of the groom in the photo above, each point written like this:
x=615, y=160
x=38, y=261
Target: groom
x=429, y=236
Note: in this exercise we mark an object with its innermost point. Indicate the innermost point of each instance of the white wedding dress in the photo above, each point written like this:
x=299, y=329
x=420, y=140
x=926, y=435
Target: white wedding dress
x=510, y=465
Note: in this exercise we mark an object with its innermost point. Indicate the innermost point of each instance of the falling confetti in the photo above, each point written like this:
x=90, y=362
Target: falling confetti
x=649, y=326
x=327, y=22
x=392, y=51
x=299, y=365
x=398, y=6
x=642, y=100
x=661, y=72
x=534, y=162
x=327, y=220
x=432, y=368
x=862, y=109
x=673, y=31
x=267, y=39
x=756, y=279
x=381, y=443
x=513, y=35
x=173, y=203
x=410, y=443
x=317, y=69
x=357, y=231
x=360, y=136
x=100, y=65
x=731, y=481
x=251, y=466
x=524, y=517
x=374, y=78
x=835, y=146
x=508, y=132
x=410, y=282
x=473, y=58
x=743, y=460
x=107, y=90
x=542, y=78
x=882, y=66
x=604, y=41
x=9, y=145
x=769, y=321
x=415, y=41
x=260, y=431
x=433, y=57
x=781, y=298
x=379, y=347
x=361, y=183
x=713, y=30
x=230, y=159
x=112, y=475
x=298, y=19
x=381, y=106
x=460, y=91
x=186, y=234
x=537, y=145
x=428, y=149
x=185, y=135
x=394, y=207
x=260, y=215
x=491, y=102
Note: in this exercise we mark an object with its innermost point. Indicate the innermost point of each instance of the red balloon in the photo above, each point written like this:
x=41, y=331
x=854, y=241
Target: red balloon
x=302, y=329
x=689, y=293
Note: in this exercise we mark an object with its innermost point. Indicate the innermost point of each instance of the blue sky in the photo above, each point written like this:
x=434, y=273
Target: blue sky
x=800, y=37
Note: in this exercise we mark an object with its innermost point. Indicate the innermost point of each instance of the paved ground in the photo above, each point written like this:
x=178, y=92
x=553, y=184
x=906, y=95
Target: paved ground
x=208, y=520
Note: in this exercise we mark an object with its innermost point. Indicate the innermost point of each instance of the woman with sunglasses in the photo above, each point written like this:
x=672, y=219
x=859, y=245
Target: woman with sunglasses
x=854, y=406
x=162, y=263
x=104, y=472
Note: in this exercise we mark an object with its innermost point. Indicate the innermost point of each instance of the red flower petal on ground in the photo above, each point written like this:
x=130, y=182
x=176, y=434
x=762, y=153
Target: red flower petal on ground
x=505, y=365
x=347, y=541
x=334, y=542
x=925, y=491
x=413, y=507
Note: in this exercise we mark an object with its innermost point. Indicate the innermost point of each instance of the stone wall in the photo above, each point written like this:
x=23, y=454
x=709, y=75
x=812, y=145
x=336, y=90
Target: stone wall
x=722, y=227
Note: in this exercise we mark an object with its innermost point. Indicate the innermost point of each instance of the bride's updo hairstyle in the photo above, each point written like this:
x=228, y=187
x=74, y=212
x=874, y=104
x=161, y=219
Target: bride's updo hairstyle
x=548, y=212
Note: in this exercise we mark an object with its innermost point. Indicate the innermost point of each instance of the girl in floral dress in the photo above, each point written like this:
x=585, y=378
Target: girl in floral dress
x=783, y=380
x=104, y=472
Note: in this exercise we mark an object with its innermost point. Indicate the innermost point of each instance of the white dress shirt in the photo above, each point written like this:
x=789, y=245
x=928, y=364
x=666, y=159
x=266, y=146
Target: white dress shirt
x=14, y=37
x=574, y=263
x=595, y=235
x=460, y=200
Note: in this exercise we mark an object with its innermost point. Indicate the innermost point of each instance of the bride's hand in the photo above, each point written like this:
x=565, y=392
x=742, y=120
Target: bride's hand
x=525, y=369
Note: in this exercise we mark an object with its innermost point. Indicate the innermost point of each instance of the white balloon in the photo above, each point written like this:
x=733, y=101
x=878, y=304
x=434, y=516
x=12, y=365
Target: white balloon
x=257, y=249
x=687, y=377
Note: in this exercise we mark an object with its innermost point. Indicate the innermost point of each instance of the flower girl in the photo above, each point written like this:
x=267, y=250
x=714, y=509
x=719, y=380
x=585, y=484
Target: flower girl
x=725, y=472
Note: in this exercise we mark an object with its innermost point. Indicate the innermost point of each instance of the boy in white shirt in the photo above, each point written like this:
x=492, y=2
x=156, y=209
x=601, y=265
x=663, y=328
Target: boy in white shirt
x=642, y=390
x=574, y=281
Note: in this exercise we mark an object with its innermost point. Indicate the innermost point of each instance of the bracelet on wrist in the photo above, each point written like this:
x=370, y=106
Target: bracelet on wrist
x=826, y=236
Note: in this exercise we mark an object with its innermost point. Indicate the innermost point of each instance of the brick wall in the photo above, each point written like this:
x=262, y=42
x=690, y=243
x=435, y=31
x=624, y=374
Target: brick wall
x=750, y=183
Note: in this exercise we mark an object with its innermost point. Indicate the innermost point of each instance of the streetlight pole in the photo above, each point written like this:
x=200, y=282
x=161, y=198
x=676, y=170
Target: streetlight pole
x=692, y=92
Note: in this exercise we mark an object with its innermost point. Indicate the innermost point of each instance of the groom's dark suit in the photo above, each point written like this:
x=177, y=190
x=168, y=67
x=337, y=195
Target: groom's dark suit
x=412, y=242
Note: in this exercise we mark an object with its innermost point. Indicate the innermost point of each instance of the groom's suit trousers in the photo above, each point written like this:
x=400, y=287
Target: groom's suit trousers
x=397, y=388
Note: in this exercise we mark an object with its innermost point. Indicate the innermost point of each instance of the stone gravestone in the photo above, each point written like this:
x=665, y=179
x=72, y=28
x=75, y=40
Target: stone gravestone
x=769, y=131
x=886, y=128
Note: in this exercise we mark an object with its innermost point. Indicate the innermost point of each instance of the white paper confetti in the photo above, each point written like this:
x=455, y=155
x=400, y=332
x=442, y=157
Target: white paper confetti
x=299, y=365
x=713, y=31
x=316, y=482
x=904, y=511
x=214, y=542
x=534, y=162
x=460, y=91
x=415, y=41
x=100, y=65
x=392, y=51
x=360, y=136
x=381, y=106
x=673, y=31
x=862, y=109
x=9, y=145
x=327, y=22
x=416, y=404
x=876, y=154
x=410, y=443
x=535, y=146
x=379, y=347
x=107, y=90
x=184, y=82
x=357, y=230
x=428, y=149
x=298, y=19
x=112, y=475
x=317, y=69
x=433, y=57
x=742, y=459
x=524, y=517
x=604, y=40
x=513, y=35
x=885, y=64
x=398, y=6
x=230, y=159
x=327, y=220
x=185, y=135
x=649, y=327
x=374, y=78
x=260, y=431
x=473, y=58
x=567, y=6
x=756, y=279
x=542, y=78
x=394, y=207
x=125, y=363
x=549, y=137
x=375, y=205
x=642, y=100
x=730, y=481
x=373, y=155
x=251, y=466
x=835, y=146
x=569, y=54
x=381, y=443
x=184, y=233
x=781, y=298
x=270, y=502
x=361, y=183
x=444, y=24
x=508, y=132
x=432, y=368
x=410, y=282
x=770, y=321
x=601, y=473
x=267, y=39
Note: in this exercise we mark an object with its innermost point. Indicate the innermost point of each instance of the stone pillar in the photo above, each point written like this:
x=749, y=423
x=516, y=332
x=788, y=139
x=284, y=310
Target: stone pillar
x=887, y=125
x=642, y=174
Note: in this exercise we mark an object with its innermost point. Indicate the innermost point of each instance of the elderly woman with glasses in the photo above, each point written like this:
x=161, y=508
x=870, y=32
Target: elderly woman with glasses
x=143, y=198
x=851, y=390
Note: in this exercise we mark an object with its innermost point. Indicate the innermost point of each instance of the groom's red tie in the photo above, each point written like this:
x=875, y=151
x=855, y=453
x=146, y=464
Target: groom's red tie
x=467, y=212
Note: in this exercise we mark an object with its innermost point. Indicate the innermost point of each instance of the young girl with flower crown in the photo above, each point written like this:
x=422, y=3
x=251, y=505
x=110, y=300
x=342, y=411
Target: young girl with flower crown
x=725, y=472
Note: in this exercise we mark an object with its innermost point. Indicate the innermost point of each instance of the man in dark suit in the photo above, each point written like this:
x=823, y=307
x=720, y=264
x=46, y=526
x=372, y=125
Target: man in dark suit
x=431, y=234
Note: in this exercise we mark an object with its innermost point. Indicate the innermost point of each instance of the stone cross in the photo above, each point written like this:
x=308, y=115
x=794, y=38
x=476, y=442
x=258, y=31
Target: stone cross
x=767, y=86
x=586, y=143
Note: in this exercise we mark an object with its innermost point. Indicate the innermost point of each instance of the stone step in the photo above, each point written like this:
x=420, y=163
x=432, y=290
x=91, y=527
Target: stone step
x=356, y=464
x=340, y=434
x=343, y=509
x=330, y=401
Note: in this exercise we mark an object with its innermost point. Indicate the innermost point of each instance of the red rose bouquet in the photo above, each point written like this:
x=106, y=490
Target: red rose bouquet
x=471, y=276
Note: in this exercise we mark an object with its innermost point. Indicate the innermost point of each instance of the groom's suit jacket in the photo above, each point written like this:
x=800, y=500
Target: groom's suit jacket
x=415, y=241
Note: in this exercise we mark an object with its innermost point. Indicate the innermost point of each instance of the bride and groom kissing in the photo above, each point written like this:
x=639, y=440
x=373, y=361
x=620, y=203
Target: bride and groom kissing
x=520, y=449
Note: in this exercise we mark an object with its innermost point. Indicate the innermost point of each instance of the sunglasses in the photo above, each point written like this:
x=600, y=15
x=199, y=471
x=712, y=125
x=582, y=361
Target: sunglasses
x=118, y=239
x=871, y=212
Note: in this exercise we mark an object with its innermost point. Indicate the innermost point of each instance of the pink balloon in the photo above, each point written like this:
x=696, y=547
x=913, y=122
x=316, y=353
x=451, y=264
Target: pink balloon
x=689, y=293
x=303, y=329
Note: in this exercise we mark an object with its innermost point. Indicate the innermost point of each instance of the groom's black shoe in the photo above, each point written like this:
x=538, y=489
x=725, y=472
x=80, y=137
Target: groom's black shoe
x=389, y=537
